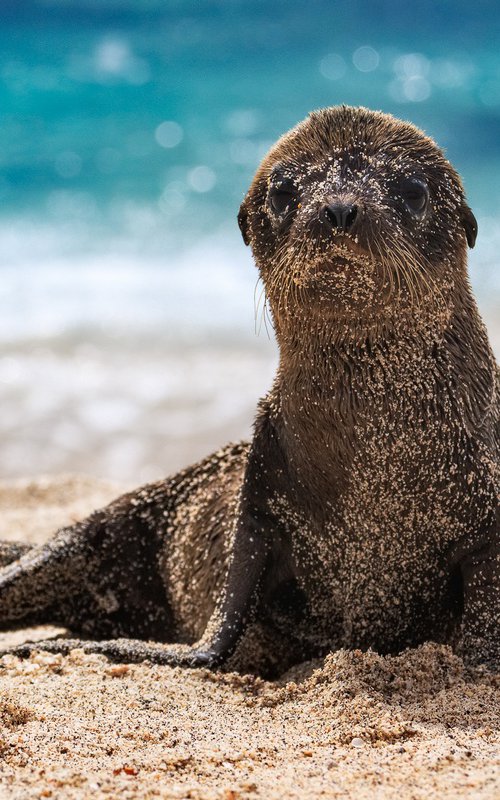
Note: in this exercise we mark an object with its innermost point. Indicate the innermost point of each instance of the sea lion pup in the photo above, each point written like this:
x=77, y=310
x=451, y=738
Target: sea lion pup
x=364, y=512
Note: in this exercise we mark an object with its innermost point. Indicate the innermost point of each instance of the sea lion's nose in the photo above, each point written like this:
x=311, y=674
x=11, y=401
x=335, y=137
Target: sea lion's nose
x=340, y=217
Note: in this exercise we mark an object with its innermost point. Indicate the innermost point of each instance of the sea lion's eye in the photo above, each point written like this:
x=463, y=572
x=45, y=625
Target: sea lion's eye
x=281, y=200
x=282, y=197
x=415, y=195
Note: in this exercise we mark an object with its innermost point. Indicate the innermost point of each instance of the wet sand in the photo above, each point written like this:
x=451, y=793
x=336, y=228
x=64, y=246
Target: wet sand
x=355, y=725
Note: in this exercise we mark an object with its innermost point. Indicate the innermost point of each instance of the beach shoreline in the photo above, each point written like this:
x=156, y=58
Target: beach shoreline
x=354, y=725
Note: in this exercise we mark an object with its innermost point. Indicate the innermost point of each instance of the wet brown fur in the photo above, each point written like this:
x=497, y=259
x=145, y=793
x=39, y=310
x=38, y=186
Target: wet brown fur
x=375, y=455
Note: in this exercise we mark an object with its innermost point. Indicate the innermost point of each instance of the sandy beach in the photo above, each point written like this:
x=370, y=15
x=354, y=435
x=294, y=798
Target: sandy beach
x=355, y=725
x=136, y=337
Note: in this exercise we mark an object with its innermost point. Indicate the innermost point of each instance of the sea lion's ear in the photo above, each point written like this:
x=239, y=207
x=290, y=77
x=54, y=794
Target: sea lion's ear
x=469, y=222
x=243, y=221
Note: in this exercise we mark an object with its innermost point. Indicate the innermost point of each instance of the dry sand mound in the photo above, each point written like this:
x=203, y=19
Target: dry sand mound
x=355, y=725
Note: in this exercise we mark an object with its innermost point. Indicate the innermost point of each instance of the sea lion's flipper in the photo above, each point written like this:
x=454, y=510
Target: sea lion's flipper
x=481, y=617
x=40, y=576
x=125, y=651
x=11, y=551
x=255, y=543
x=100, y=578
x=241, y=591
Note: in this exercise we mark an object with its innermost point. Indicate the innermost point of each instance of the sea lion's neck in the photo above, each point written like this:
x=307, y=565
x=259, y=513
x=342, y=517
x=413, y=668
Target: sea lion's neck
x=324, y=393
x=319, y=353
x=329, y=392
x=312, y=361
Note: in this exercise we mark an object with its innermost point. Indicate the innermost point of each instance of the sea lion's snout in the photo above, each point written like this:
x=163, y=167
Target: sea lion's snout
x=339, y=217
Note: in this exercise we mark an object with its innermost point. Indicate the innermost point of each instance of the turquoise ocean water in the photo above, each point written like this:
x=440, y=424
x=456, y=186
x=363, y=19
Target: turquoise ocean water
x=129, y=132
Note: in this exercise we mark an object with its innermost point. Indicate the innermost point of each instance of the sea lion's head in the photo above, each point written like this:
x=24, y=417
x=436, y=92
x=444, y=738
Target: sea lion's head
x=355, y=214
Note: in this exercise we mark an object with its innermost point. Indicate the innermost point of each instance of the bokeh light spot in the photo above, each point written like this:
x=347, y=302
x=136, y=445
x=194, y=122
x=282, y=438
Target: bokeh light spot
x=412, y=84
x=202, y=179
x=169, y=134
x=112, y=55
x=416, y=89
x=366, y=59
x=333, y=67
x=242, y=122
x=449, y=74
x=411, y=65
x=173, y=197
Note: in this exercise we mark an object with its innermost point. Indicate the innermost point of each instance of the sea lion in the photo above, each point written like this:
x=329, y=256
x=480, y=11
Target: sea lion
x=364, y=512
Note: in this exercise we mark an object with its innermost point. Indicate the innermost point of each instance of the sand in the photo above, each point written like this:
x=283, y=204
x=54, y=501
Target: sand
x=354, y=725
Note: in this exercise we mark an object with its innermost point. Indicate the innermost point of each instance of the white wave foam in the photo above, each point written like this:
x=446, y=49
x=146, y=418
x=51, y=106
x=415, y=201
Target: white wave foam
x=46, y=290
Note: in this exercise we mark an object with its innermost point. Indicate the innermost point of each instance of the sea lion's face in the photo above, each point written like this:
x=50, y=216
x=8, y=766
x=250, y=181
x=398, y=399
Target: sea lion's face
x=354, y=212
